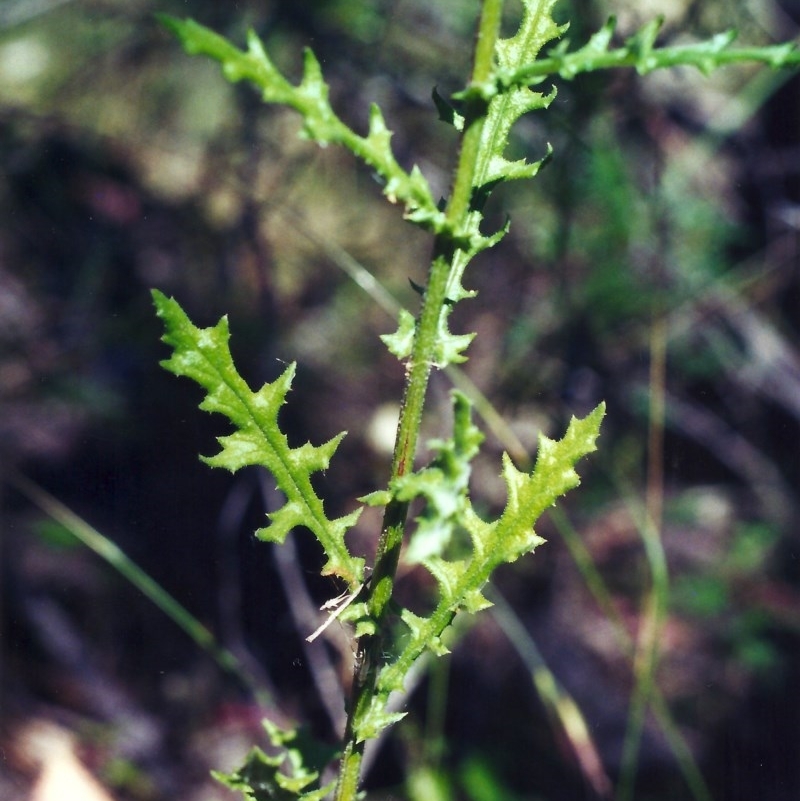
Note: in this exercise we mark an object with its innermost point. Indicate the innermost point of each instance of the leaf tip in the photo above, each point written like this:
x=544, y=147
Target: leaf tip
x=172, y=24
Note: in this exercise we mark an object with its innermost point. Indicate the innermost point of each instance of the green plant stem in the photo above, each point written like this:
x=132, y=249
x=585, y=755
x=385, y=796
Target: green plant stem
x=367, y=281
x=569, y=65
x=418, y=371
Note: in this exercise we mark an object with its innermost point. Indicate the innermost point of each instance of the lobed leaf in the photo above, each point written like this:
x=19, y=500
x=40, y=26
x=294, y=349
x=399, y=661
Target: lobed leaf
x=504, y=105
x=263, y=778
x=530, y=494
x=536, y=29
x=372, y=721
x=640, y=52
x=203, y=355
x=320, y=123
x=443, y=484
x=401, y=342
x=460, y=581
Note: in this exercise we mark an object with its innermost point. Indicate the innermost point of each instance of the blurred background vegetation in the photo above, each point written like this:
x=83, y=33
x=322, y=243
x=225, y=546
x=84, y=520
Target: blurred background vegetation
x=672, y=206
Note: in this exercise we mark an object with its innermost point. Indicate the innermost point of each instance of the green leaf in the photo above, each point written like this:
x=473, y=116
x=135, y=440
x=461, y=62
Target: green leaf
x=639, y=51
x=511, y=535
x=449, y=348
x=402, y=341
x=503, y=105
x=377, y=498
x=642, y=43
x=419, y=627
x=372, y=721
x=263, y=778
x=320, y=123
x=530, y=494
x=536, y=29
x=600, y=41
x=443, y=484
x=203, y=355
x=708, y=61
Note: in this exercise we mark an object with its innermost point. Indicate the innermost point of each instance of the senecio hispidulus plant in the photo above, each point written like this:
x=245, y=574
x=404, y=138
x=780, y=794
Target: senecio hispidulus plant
x=497, y=94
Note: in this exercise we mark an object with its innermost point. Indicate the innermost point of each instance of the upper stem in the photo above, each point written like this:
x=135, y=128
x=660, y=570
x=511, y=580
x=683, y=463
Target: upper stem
x=418, y=372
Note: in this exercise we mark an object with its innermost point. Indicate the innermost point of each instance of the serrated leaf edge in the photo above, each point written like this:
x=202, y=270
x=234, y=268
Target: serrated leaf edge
x=203, y=354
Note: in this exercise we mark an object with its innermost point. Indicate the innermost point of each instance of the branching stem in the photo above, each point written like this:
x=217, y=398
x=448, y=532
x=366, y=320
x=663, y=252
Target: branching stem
x=417, y=377
x=498, y=94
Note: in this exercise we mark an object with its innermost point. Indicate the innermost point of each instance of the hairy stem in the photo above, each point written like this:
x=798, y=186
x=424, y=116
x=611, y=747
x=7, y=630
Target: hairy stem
x=417, y=376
